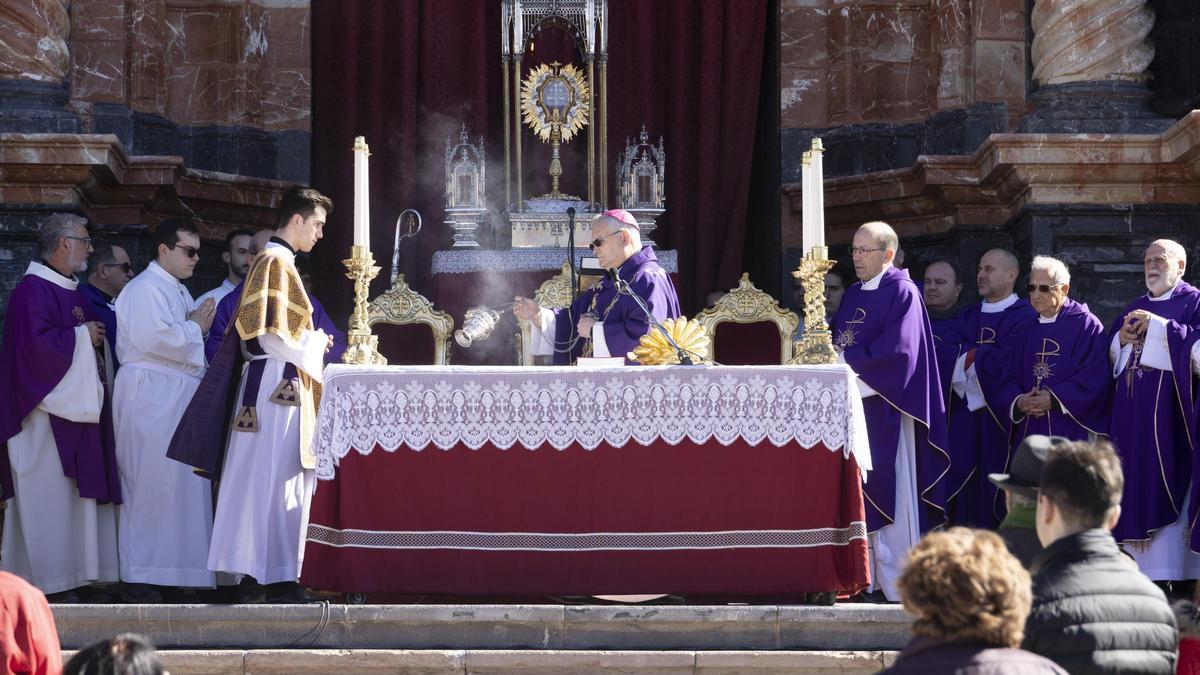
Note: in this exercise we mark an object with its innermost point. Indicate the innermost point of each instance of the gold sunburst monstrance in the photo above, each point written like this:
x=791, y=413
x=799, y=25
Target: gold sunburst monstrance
x=555, y=100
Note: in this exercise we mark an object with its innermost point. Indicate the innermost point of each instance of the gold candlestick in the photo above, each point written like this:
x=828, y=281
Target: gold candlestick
x=817, y=346
x=362, y=348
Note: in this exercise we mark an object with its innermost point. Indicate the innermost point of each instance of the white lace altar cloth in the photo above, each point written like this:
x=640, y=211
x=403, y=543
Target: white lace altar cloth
x=556, y=407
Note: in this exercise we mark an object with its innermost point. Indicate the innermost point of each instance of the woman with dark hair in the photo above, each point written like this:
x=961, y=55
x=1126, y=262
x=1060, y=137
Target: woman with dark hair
x=969, y=598
x=127, y=654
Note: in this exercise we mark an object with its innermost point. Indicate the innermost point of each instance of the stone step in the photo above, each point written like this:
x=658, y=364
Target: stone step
x=440, y=662
x=745, y=628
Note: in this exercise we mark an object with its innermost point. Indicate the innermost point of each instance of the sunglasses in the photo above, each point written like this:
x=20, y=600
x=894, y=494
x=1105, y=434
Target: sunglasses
x=191, y=251
x=596, y=243
x=125, y=267
x=1041, y=288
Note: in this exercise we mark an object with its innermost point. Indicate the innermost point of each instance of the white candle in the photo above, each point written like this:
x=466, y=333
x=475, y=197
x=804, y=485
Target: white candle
x=807, y=216
x=817, y=167
x=362, y=192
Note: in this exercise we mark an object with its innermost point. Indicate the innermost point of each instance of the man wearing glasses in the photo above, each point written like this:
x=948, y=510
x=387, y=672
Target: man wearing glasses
x=1058, y=378
x=882, y=332
x=58, y=471
x=1149, y=350
x=166, y=520
x=111, y=270
x=601, y=322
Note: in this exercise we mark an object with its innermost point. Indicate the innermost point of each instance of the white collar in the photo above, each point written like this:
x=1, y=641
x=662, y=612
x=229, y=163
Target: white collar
x=228, y=284
x=873, y=283
x=284, y=252
x=157, y=270
x=1042, y=319
x=40, y=271
x=994, y=307
x=1164, y=296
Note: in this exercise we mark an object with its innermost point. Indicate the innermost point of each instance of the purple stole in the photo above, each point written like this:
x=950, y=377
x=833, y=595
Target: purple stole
x=1069, y=358
x=980, y=438
x=1151, y=431
x=39, y=341
x=624, y=321
x=886, y=338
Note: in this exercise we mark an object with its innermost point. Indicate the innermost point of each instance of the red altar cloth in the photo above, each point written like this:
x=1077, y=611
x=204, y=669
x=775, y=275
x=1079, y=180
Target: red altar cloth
x=719, y=515
x=804, y=501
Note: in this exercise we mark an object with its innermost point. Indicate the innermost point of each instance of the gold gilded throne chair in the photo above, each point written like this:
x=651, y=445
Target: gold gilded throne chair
x=746, y=324
x=393, y=316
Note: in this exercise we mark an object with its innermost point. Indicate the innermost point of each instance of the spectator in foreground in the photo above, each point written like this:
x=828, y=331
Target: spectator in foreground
x=1020, y=487
x=127, y=654
x=1093, y=611
x=969, y=598
x=28, y=637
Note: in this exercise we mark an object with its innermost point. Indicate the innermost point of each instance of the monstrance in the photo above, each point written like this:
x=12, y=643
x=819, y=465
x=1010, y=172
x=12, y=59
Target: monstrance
x=555, y=100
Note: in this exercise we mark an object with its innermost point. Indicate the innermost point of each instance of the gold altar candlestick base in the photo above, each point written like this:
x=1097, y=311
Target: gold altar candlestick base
x=362, y=348
x=817, y=346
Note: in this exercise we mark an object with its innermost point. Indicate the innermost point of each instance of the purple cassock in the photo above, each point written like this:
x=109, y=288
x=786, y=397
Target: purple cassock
x=228, y=305
x=979, y=439
x=39, y=341
x=624, y=321
x=1152, y=432
x=886, y=338
x=1068, y=358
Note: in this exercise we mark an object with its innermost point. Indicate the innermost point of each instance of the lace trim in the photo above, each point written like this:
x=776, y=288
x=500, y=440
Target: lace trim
x=587, y=541
x=522, y=260
x=363, y=407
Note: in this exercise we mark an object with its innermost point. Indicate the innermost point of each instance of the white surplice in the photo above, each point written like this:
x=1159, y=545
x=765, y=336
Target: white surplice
x=264, y=496
x=53, y=538
x=217, y=294
x=166, y=520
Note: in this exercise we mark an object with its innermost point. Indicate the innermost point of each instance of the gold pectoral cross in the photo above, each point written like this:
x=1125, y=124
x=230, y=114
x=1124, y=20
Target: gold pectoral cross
x=1043, y=369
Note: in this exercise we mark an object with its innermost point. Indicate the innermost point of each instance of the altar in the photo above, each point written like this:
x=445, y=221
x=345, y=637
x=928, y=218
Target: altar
x=531, y=481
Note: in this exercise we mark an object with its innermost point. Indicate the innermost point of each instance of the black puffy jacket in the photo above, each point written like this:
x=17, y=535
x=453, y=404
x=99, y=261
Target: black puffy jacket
x=1094, y=612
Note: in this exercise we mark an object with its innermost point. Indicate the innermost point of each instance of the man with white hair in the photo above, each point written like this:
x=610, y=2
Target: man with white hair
x=1057, y=382
x=882, y=332
x=59, y=468
x=602, y=321
x=1152, y=390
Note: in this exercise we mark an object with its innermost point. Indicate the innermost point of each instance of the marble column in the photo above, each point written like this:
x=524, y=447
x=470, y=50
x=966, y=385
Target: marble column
x=1090, y=61
x=34, y=62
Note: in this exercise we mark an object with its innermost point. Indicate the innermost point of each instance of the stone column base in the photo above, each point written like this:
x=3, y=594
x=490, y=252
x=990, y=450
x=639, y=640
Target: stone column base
x=1093, y=108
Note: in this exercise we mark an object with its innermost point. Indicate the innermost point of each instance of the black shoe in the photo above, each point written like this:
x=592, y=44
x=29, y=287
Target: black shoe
x=140, y=594
x=296, y=595
x=249, y=592
x=63, y=598
x=99, y=595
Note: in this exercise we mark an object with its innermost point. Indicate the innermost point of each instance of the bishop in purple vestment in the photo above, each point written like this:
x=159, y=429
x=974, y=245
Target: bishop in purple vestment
x=1058, y=374
x=602, y=321
x=1152, y=400
x=883, y=333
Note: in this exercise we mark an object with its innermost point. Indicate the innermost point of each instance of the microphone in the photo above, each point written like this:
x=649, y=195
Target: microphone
x=624, y=289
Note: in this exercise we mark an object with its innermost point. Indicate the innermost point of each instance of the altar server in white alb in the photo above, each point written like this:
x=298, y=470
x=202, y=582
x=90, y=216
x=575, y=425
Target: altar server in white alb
x=59, y=471
x=166, y=520
x=266, y=477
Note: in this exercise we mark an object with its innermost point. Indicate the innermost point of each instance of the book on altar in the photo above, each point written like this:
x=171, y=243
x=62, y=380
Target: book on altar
x=597, y=362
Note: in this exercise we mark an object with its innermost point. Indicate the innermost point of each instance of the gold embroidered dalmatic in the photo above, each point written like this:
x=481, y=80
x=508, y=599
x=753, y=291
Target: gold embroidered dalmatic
x=274, y=301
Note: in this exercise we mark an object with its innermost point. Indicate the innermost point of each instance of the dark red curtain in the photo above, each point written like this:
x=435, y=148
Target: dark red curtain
x=406, y=74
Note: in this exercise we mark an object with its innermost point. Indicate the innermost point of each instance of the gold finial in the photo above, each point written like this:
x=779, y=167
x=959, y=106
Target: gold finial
x=360, y=144
x=806, y=158
x=817, y=146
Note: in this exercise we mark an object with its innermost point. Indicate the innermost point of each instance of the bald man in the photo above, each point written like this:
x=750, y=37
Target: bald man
x=882, y=332
x=979, y=422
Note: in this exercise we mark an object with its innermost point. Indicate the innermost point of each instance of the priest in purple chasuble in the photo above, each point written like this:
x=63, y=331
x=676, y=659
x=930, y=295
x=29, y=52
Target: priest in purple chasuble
x=882, y=332
x=601, y=321
x=979, y=426
x=264, y=463
x=58, y=468
x=1152, y=399
x=1058, y=377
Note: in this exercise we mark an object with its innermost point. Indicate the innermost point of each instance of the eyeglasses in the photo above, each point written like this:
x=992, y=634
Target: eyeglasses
x=87, y=241
x=858, y=250
x=191, y=251
x=125, y=267
x=597, y=242
x=1041, y=288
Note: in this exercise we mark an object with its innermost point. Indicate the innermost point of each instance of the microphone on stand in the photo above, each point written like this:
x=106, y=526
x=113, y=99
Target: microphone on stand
x=571, y=252
x=623, y=288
